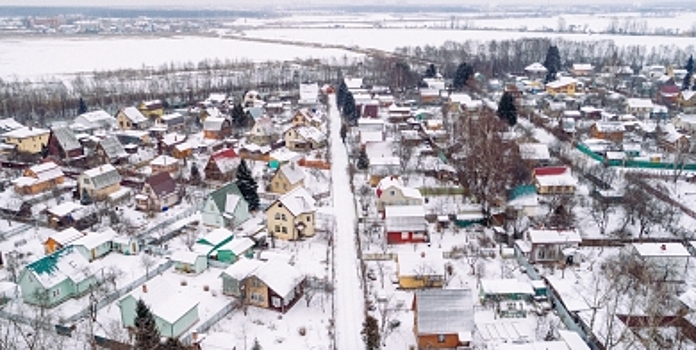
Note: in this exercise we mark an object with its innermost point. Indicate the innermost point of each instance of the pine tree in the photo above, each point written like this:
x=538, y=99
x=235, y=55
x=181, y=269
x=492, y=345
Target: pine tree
x=431, y=72
x=507, y=110
x=239, y=117
x=462, y=75
x=195, y=174
x=44, y=150
x=256, y=345
x=686, y=83
x=174, y=344
x=690, y=65
x=247, y=185
x=147, y=336
x=82, y=107
x=341, y=94
x=363, y=160
x=370, y=333
x=350, y=112
x=552, y=63
x=86, y=199
x=343, y=132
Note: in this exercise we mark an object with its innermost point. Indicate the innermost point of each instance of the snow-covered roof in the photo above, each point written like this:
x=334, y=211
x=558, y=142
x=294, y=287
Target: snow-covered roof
x=26, y=132
x=414, y=264
x=217, y=236
x=534, y=151
x=96, y=119
x=688, y=298
x=610, y=126
x=553, y=236
x=63, y=264
x=213, y=123
x=94, y=239
x=166, y=301
x=43, y=172
x=66, y=236
x=113, y=148
x=582, y=66
x=242, y=269
x=238, y=245
x=561, y=82
x=292, y=172
x=536, y=67
x=279, y=276
x=185, y=256
x=660, y=250
x=688, y=94
x=134, y=115
x=506, y=286
x=66, y=138
x=569, y=293
x=173, y=308
x=444, y=311
x=64, y=208
x=298, y=201
x=164, y=160
x=561, y=179
x=639, y=103
x=310, y=133
x=103, y=176
x=9, y=124
x=399, y=218
x=573, y=340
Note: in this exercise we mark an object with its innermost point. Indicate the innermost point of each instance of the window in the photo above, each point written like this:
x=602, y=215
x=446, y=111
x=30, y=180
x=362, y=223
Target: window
x=404, y=235
x=282, y=217
x=257, y=297
x=56, y=292
x=440, y=338
x=309, y=219
x=255, y=283
x=277, y=216
x=392, y=193
x=276, y=302
x=285, y=230
x=277, y=228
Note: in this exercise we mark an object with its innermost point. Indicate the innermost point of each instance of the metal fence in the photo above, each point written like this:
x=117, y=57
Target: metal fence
x=205, y=326
x=17, y=230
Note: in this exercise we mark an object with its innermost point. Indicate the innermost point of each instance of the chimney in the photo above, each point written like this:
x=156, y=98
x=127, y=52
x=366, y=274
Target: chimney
x=144, y=288
x=663, y=247
x=194, y=335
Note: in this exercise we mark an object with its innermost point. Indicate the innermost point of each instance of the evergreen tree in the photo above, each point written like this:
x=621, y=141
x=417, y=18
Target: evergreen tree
x=507, y=110
x=343, y=132
x=44, y=150
x=370, y=333
x=431, y=72
x=552, y=63
x=82, y=107
x=690, y=65
x=240, y=119
x=350, y=112
x=195, y=174
x=86, y=199
x=363, y=160
x=174, y=344
x=247, y=185
x=341, y=94
x=256, y=345
x=462, y=75
x=147, y=336
x=686, y=83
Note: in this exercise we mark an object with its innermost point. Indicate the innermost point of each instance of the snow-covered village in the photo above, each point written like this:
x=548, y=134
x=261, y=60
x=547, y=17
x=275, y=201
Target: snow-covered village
x=520, y=193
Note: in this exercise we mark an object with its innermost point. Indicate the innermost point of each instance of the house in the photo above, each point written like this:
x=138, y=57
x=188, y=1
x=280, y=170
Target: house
x=209, y=112
x=581, y=70
x=91, y=122
x=523, y=201
x=159, y=193
x=27, y=140
x=39, y=178
x=222, y=165
x=252, y=98
x=398, y=114
x=309, y=93
x=564, y=85
x=272, y=284
x=126, y=245
x=173, y=307
x=543, y=246
x=369, y=109
x=189, y=262
x=153, y=109
x=131, y=118
x=420, y=270
x=554, y=180
x=225, y=207
x=263, y=132
x=110, y=150
x=56, y=277
x=304, y=138
x=63, y=145
x=687, y=99
x=509, y=289
x=535, y=70
x=612, y=131
x=133, y=137
x=165, y=163
x=182, y=150
x=291, y=217
x=675, y=141
x=405, y=224
x=685, y=123
x=371, y=130
x=71, y=214
x=536, y=154
x=639, y=107
x=9, y=124
x=381, y=167
x=443, y=318
x=664, y=262
x=221, y=245
x=216, y=128
x=94, y=245
x=390, y=191
x=60, y=240
x=288, y=177
x=173, y=122
x=98, y=183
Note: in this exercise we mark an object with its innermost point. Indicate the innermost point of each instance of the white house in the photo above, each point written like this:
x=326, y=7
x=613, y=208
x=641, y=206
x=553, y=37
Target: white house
x=549, y=245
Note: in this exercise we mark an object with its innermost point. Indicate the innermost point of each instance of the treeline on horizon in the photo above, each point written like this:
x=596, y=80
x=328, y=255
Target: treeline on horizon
x=118, y=12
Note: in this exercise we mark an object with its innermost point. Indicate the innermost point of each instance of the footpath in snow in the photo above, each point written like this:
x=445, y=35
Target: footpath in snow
x=349, y=300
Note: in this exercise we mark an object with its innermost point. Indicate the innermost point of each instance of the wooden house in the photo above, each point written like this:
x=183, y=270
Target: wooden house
x=546, y=246
x=217, y=128
x=675, y=141
x=272, y=284
x=420, y=270
x=443, y=318
x=582, y=70
x=27, y=140
x=405, y=224
x=307, y=117
x=110, y=150
x=390, y=191
x=159, y=193
x=39, y=178
x=304, y=138
x=263, y=132
x=288, y=177
x=63, y=145
x=222, y=165
x=125, y=244
x=554, y=180
x=189, y=262
x=381, y=167
x=565, y=85
x=165, y=163
x=639, y=107
x=220, y=244
x=612, y=131
x=510, y=289
x=98, y=183
x=153, y=109
x=71, y=214
x=687, y=99
x=173, y=122
x=60, y=240
x=182, y=150
x=130, y=118
x=291, y=216
x=56, y=277
x=94, y=245
x=94, y=121
x=225, y=207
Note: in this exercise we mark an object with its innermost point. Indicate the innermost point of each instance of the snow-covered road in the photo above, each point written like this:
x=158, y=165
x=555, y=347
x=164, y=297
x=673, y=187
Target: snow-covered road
x=349, y=301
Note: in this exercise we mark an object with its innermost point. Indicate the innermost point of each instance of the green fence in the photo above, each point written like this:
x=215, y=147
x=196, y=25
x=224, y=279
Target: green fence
x=441, y=191
x=630, y=163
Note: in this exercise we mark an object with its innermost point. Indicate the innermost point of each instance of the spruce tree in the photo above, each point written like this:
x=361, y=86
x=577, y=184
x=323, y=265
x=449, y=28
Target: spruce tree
x=256, y=345
x=363, y=160
x=341, y=94
x=462, y=75
x=239, y=116
x=431, y=72
x=507, y=110
x=552, y=63
x=195, y=174
x=247, y=185
x=690, y=65
x=82, y=107
x=174, y=344
x=370, y=333
x=343, y=132
x=350, y=112
x=686, y=83
x=147, y=336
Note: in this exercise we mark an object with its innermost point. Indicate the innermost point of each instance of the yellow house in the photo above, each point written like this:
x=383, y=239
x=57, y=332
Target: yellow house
x=39, y=178
x=28, y=139
x=99, y=182
x=563, y=85
x=420, y=270
x=130, y=118
x=152, y=109
x=291, y=216
x=288, y=177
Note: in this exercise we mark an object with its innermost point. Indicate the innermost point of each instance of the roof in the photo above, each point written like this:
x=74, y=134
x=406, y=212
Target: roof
x=226, y=160
x=96, y=119
x=553, y=236
x=113, y=148
x=292, y=172
x=660, y=250
x=242, y=269
x=216, y=236
x=66, y=236
x=220, y=196
x=506, y=286
x=554, y=176
x=610, y=126
x=582, y=66
x=166, y=301
x=309, y=133
x=688, y=298
x=639, y=103
x=213, y=123
x=238, y=245
x=26, y=132
x=42, y=173
x=573, y=340
x=298, y=201
x=172, y=119
x=103, y=176
x=444, y=311
x=404, y=218
x=95, y=239
x=171, y=309
x=413, y=264
x=9, y=124
x=59, y=266
x=279, y=276
x=164, y=160
x=186, y=256
x=536, y=67
x=563, y=81
x=161, y=183
x=534, y=151
x=134, y=115
x=66, y=138
x=64, y=208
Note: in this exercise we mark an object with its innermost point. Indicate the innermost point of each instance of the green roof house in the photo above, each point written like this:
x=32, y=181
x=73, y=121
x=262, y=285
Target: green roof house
x=221, y=245
x=225, y=207
x=57, y=277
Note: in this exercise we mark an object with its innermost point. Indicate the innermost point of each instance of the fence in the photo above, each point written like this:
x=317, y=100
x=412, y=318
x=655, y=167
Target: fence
x=630, y=163
x=205, y=326
x=163, y=225
x=379, y=256
x=17, y=230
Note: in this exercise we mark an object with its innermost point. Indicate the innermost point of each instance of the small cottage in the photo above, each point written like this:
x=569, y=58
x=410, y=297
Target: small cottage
x=405, y=224
x=159, y=193
x=165, y=163
x=549, y=245
x=39, y=178
x=291, y=216
x=189, y=262
x=63, y=144
x=60, y=240
x=216, y=128
x=263, y=132
x=420, y=270
x=225, y=207
x=304, y=138
x=554, y=180
x=94, y=245
x=222, y=165
x=110, y=150
x=390, y=191
x=130, y=118
x=98, y=183
x=288, y=177
x=443, y=318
